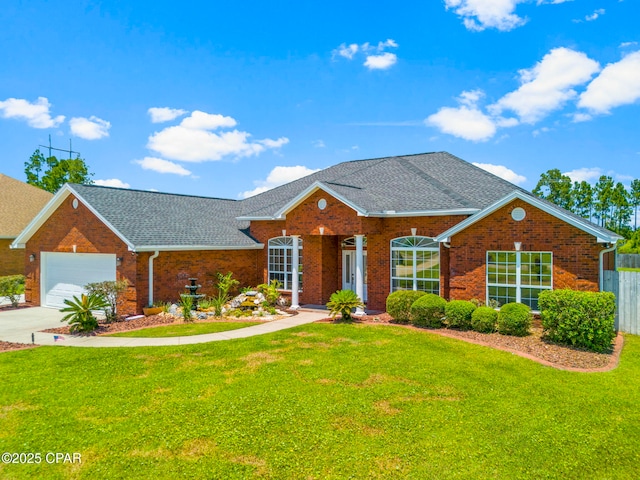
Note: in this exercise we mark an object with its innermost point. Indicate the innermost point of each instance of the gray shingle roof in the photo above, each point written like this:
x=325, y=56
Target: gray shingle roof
x=411, y=183
x=429, y=181
x=153, y=219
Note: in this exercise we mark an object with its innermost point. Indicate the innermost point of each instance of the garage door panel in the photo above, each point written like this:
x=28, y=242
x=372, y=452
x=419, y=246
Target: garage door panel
x=64, y=275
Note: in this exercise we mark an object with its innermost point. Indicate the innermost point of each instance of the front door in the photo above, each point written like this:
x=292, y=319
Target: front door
x=349, y=271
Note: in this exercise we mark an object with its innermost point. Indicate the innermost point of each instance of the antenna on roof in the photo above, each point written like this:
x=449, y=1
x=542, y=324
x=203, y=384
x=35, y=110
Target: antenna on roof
x=71, y=151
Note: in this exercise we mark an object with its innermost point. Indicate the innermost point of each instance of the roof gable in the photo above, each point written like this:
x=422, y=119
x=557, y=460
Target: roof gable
x=603, y=235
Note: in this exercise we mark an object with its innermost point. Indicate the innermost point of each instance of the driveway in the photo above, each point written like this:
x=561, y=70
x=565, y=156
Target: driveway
x=18, y=325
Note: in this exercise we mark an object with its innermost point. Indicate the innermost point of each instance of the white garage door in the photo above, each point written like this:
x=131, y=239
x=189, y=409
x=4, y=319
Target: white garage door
x=65, y=274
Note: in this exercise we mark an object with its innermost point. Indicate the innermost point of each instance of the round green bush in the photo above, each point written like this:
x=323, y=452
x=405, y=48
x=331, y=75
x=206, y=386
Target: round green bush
x=514, y=319
x=458, y=314
x=428, y=311
x=399, y=304
x=484, y=320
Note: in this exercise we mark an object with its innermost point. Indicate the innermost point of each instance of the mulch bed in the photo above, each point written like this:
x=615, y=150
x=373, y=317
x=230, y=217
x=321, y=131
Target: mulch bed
x=7, y=346
x=534, y=347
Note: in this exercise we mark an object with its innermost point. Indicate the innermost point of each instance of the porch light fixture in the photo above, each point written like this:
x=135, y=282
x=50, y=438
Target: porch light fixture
x=321, y=230
x=32, y=257
x=414, y=231
x=517, y=245
x=118, y=261
x=284, y=233
x=74, y=248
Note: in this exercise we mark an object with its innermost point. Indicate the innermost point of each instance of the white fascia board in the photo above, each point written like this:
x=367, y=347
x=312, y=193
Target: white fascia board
x=424, y=213
x=552, y=210
x=302, y=196
x=183, y=248
x=51, y=207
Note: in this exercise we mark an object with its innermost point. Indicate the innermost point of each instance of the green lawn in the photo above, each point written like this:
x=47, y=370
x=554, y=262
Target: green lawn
x=319, y=401
x=184, y=329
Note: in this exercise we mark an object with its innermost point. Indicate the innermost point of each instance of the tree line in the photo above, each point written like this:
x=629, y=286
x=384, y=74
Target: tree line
x=607, y=203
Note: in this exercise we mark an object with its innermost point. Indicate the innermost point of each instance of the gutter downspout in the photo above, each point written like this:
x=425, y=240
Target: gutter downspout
x=151, y=258
x=602, y=252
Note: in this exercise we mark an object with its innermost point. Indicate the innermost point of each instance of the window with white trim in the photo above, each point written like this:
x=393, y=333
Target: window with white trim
x=518, y=276
x=415, y=264
x=281, y=261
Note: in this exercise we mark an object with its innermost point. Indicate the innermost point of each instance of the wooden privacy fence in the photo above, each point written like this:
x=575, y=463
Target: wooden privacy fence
x=628, y=260
x=626, y=287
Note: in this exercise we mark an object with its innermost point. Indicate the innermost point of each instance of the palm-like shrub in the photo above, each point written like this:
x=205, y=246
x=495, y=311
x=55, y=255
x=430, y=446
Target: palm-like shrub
x=428, y=311
x=81, y=310
x=343, y=302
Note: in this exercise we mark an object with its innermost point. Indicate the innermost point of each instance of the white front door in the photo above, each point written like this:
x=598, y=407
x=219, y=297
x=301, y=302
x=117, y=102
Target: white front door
x=349, y=271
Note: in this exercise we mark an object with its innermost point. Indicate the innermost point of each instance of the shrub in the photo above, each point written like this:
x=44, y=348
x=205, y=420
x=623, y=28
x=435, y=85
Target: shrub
x=343, y=302
x=514, y=319
x=81, y=310
x=399, y=304
x=186, y=302
x=270, y=291
x=428, y=311
x=484, y=319
x=11, y=287
x=226, y=284
x=581, y=319
x=458, y=314
x=111, y=292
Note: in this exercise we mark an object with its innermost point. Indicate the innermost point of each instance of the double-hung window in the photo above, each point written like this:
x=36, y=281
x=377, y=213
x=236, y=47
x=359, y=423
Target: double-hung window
x=415, y=264
x=518, y=276
x=281, y=261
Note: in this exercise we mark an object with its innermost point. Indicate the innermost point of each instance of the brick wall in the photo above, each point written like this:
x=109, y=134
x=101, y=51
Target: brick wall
x=11, y=261
x=68, y=226
x=575, y=253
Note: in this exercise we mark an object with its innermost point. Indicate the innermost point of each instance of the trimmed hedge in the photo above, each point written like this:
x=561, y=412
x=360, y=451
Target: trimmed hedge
x=484, y=320
x=428, y=311
x=581, y=319
x=399, y=304
x=514, y=319
x=458, y=314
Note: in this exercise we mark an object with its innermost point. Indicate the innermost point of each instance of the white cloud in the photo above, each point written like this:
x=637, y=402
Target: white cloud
x=478, y=15
x=548, y=85
x=375, y=56
x=538, y=131
x=381, y=62
x=581, y=117
x=618, y=84
x=162, y=166
x=92, y=128
x=628, y=44
x=594, y=15
x=112, y=182
x=278, y=176
x=192, y=140
x=584, y=174
x=466, y=121
x=502, y=172
x=36, y=114
x=164, y=114
x=207, y=121
x=346, y=51
x=463, y=122
x=318, y=144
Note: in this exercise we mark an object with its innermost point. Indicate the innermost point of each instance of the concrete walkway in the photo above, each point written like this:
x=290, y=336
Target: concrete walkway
x=49, y=318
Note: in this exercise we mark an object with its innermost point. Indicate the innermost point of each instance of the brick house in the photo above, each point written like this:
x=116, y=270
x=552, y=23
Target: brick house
x=429, y=222
x=19, y=203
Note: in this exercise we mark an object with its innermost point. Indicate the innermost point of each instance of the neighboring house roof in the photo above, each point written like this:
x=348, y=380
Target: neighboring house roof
x=19, y=203
x=602, y=234
x=424, y=184
x=428, y=182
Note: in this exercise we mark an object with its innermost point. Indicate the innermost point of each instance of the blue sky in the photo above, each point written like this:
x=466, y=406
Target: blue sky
x=227, y=99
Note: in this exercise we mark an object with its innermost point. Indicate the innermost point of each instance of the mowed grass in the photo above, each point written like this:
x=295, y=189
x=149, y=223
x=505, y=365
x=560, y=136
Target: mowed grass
x=184, y=329
x=318, y=401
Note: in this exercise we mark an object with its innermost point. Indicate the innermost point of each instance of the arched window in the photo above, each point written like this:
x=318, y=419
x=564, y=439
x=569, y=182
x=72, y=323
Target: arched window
x=415, y=264
x=280, y=261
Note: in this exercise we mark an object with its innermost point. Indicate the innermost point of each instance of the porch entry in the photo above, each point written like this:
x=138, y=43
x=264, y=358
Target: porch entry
x=349, y=271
